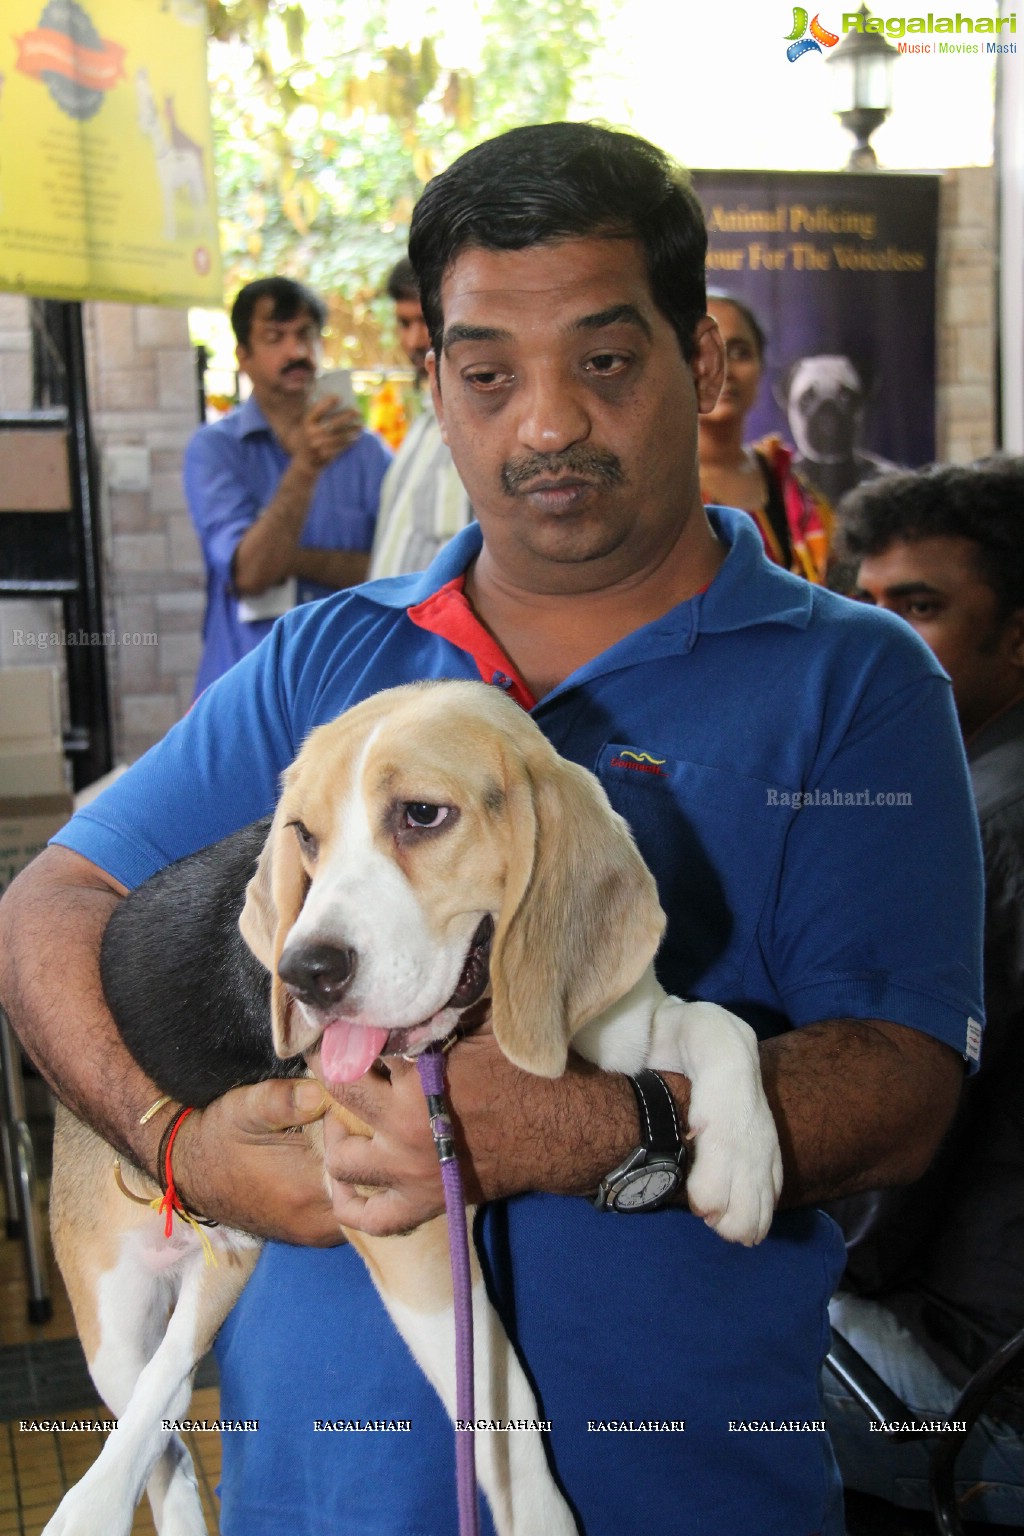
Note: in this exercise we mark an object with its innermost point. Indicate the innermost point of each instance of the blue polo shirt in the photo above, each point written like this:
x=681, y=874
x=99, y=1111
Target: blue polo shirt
x=812, y=832
x=232, y=470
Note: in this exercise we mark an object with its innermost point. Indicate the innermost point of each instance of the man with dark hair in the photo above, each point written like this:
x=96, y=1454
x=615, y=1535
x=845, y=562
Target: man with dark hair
x=935, y=1277
x=288, y=301
x=422, y=502
x=563, y=279
x=567, y=180
x=284, y=491
x=404, y=292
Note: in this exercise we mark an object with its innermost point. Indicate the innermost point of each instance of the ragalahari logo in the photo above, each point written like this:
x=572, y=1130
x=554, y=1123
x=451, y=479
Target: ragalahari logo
x=800, y=43
x=67, y=54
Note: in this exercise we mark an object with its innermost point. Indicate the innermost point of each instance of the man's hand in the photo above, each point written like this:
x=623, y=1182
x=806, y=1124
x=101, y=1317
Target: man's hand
x=515, y=1132
x=269, y=552
x=324, y=433
x=860, y=1104
x=246, y=1162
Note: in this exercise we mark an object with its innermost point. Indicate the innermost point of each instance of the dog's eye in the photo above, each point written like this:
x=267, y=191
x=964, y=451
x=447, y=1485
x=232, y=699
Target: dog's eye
x=419, y=814
x=307, y=842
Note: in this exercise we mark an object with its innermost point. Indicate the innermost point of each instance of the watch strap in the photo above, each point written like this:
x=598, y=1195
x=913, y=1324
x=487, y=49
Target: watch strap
x=661, y=1152
x=659, y=1119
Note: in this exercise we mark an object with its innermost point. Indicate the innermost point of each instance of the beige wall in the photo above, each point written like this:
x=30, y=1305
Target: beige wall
x=15, y=354
x=143, y=398
x=966, y=318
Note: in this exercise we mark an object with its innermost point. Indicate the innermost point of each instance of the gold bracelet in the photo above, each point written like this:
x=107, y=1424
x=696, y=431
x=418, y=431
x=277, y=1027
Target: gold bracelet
x=154, y=1109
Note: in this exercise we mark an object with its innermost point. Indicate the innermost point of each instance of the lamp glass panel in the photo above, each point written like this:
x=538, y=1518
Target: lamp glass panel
x=843, y=71
x=872, y=84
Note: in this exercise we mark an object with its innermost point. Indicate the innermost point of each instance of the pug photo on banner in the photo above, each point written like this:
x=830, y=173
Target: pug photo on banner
x=840, y=271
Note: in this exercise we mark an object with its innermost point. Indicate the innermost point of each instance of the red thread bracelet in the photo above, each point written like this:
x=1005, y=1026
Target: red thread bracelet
x=170, y=1204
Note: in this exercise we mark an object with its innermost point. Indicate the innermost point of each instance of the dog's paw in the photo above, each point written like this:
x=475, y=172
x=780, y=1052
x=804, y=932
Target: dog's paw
x=736, y=1176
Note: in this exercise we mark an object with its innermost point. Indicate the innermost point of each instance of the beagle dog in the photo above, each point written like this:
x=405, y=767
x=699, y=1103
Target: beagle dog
x=429, y=847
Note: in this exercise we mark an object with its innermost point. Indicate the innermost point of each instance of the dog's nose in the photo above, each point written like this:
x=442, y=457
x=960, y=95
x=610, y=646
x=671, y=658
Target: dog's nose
x=318, y=974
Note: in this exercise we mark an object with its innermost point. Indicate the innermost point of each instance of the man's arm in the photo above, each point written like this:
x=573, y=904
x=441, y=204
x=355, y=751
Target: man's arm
x=268, y=551
x=332, y=567
x=859, y=1105
x=248, y=1168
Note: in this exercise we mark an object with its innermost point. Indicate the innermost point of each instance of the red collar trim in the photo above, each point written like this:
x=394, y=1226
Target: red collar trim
x=447, y=613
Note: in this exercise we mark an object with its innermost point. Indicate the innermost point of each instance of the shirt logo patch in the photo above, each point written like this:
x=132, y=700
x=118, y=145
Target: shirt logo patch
x=640, y=762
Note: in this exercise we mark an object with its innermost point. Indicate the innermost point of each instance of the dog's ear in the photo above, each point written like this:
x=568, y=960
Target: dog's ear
x=257, y=921
x=273, y=901
x=581, y=919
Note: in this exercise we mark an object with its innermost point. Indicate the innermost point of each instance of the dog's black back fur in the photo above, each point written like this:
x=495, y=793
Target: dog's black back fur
x=190, y=998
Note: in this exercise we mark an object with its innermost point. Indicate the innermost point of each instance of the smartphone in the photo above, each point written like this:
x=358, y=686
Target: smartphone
x=338, y=382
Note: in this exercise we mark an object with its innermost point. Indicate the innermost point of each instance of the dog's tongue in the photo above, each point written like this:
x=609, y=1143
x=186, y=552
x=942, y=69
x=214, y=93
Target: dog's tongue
x=348, y=1050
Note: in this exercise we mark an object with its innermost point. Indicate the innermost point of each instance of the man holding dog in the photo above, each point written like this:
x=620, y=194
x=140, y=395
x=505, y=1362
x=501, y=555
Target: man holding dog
x=562, y=279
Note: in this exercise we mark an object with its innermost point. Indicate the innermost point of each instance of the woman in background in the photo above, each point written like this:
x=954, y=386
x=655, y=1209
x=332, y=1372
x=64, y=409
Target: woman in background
x=796, y=524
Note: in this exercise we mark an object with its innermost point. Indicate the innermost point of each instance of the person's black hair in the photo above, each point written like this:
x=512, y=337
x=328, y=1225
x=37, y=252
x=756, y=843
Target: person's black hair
x=561, y=181
x=983, y=502
x=724, y=296
x=403, y=282
x=289, y=298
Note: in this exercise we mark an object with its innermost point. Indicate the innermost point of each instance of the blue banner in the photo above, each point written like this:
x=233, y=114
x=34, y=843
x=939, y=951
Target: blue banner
x=840, y=270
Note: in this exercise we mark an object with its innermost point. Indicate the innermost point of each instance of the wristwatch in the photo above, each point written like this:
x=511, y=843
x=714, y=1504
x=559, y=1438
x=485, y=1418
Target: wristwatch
x=653, y=1171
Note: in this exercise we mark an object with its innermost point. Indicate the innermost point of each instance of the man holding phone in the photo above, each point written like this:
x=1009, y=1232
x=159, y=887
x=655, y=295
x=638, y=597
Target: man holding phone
x=284, y=490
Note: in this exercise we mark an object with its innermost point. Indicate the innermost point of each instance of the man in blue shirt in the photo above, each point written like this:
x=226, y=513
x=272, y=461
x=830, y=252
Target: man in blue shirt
x=807, y=817
x=284, y=491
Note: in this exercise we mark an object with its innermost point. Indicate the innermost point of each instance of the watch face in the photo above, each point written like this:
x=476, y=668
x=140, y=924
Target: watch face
x=646, y=1187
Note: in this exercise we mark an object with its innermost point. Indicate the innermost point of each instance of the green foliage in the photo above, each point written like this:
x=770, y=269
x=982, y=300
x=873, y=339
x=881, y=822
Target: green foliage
x=533, y=59
x=326, y=128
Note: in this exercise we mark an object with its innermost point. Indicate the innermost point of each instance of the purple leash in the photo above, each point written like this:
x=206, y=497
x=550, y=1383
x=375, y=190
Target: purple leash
x=431, y=1069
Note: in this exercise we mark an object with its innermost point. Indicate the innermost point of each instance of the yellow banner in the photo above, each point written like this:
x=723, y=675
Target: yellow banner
x=106, y=155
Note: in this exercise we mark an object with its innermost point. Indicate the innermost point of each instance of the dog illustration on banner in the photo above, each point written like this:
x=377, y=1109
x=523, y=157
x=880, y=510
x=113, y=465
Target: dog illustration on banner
x=180, y=162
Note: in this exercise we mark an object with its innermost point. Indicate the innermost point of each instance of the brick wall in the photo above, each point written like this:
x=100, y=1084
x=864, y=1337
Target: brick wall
x=143, y=397
x=966, y=319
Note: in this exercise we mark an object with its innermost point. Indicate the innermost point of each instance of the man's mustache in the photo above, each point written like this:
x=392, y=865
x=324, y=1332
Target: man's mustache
x=595, y=464
x=298, y=367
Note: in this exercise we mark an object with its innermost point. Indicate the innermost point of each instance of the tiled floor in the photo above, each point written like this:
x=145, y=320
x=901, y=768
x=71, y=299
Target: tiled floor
x=36, y=1469
x=38, y=1466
